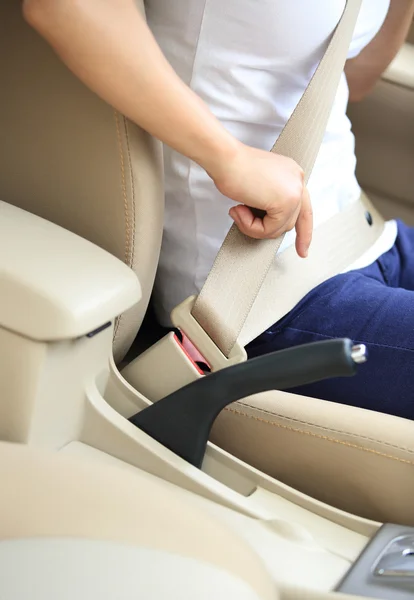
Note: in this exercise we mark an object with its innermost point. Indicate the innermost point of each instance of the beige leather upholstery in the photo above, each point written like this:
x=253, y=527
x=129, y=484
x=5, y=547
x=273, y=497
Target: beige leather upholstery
x=384, y=128
x=357, y=460
x=68, y=157
x=50, y=495
x=410, y=38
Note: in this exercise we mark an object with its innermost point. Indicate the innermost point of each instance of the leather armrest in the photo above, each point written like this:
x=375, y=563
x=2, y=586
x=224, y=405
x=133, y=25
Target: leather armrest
x=55, y=285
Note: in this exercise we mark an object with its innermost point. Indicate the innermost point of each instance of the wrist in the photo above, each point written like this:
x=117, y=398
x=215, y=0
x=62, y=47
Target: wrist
x=218, y=153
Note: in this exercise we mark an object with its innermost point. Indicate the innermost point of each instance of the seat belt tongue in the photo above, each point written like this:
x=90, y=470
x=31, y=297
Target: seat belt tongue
x=184, y=320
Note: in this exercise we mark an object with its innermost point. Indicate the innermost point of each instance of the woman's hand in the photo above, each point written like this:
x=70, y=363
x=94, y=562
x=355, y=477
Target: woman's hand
x=271, y=183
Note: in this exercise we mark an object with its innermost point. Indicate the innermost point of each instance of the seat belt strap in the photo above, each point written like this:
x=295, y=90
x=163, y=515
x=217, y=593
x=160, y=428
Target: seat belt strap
x=242, y=264
x=348, y=235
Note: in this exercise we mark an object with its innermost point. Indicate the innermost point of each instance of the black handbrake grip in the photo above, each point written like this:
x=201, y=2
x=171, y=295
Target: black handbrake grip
x=182, y=421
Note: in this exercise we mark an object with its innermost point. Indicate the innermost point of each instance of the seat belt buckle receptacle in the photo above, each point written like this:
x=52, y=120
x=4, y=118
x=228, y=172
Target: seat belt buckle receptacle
x=184, y=320
x=171, y=363
x=162, y=369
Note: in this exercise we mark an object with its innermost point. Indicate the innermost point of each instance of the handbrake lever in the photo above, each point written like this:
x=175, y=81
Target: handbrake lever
x=182, y=421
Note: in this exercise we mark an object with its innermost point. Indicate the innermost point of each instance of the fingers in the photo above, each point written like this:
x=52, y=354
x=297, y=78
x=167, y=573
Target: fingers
x=247, y=222
x=268, y=227
x=304, y=226
x=274, y=225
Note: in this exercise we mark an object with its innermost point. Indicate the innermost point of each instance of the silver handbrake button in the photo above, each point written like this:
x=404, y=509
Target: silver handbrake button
x=397, y=560
x=385, y=568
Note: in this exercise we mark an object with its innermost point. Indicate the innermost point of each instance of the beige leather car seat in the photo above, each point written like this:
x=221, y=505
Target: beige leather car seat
x=385, y=169
x=68, y=157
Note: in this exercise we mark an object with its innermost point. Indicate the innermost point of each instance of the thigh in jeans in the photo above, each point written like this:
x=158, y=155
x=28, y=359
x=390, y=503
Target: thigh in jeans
x=361, y=306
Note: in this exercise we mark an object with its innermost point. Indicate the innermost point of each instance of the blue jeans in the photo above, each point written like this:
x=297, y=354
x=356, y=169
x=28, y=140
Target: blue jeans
x=373, y=306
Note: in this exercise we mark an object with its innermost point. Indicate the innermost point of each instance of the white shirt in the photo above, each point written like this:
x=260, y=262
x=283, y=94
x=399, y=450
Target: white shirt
x=250, y=61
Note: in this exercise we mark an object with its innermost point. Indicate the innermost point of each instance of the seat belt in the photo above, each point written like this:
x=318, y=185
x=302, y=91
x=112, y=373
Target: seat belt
x=250, y=287
x=242, y=263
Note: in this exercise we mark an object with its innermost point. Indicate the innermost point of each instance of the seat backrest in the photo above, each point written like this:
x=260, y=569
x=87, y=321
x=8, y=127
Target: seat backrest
x=67, y=156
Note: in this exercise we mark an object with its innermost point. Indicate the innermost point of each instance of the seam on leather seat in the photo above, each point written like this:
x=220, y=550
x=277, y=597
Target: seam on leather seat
x=323, y=437
x=132, y=229
x=124, y=190
x=321, y=427
x=127, y=249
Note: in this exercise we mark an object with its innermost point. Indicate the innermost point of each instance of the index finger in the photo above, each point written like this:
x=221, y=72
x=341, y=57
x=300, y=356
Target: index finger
x=304, y=225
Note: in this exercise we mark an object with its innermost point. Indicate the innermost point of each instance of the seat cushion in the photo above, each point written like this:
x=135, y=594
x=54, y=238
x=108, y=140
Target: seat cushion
x=357, y=460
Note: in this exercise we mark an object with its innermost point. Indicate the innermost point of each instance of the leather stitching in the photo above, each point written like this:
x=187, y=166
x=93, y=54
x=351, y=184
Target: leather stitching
x=322, y=437
x=132, y=241
x=340, y=431
x=124, y=190
x=125, y=198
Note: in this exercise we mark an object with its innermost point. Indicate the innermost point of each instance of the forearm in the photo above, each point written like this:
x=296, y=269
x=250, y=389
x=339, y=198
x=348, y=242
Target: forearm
x=364, y=71
x=108, y=45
